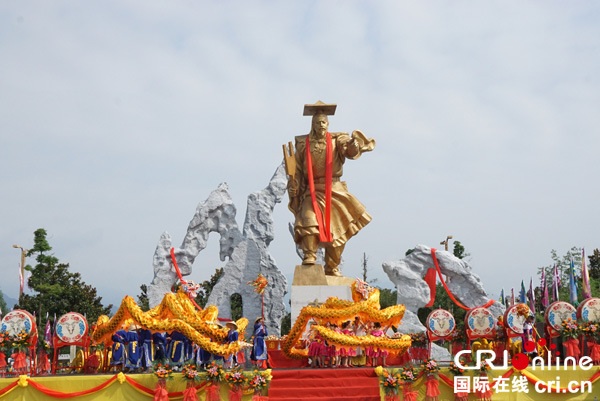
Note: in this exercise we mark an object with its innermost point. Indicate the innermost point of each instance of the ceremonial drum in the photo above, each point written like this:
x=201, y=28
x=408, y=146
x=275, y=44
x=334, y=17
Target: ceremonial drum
x=71, y=328
x=440, y=323
x=480, y=323
x=557, y=312
x=514, y=321
x=17, y=321
x=589, y=310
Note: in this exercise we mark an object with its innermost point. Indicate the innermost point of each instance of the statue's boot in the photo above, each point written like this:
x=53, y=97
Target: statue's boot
x=309, y=248
x=333, y=257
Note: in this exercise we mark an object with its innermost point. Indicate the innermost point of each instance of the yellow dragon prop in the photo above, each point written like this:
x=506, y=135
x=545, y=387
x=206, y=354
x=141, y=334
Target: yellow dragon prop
x=365, y=305
x=175, y=312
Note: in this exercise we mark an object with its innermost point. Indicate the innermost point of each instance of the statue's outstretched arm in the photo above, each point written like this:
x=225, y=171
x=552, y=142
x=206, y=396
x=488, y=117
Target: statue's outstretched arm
x=357, y=145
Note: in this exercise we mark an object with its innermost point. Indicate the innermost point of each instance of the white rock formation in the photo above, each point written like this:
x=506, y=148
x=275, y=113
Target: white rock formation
x=248, y=253
x=413, y=292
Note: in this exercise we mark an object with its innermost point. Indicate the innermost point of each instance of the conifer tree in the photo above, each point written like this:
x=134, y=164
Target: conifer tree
x=56, y=289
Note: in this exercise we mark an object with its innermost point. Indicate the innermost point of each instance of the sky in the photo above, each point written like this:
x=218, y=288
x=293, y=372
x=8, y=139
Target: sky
x=118, y=117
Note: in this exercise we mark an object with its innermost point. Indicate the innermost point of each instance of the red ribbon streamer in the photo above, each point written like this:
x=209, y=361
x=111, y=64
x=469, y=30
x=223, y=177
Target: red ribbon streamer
x=161, y=393
x=9, y=387
x=180, y=276
x=57, y=394
x=484, y=395
x=20, y=361
x=408, y=394
x=432, y=387
x=324, y=227
x=572, y=348
x=235, y=395
x=391, y=397
x=594, y=351
x=213, y=393
x=430, y=280
x=437, y=267
x=190, y=394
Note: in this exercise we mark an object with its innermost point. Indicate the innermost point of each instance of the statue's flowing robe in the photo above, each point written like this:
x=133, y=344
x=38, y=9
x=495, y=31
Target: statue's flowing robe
x=348, y=215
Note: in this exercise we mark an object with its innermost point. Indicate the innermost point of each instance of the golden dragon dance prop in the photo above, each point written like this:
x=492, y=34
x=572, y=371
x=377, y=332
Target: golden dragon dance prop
x=365, y=305
x=175, y=312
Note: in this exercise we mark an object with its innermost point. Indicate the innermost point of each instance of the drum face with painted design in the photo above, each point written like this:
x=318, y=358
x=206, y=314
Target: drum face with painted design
x=557, y=312
x=71, y=327
x=440, y=323
x=17, y=321
x=513, y=321
x=480, y=322
x=589, y=310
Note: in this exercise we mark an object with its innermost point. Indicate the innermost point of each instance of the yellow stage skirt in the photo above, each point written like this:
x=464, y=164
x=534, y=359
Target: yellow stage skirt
x=530, y=377
x=115, y=387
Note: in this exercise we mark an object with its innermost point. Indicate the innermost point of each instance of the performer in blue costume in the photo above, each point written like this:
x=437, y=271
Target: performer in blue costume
x=133, y=348
x=160, y=346
x=176, y=349
x=189, y=349
x=118, y=348
x=202, y=356
x=147, y=348
x=232, y=336
x=259, y=346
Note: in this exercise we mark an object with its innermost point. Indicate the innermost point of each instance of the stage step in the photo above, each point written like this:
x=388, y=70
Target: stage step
x=352, y=384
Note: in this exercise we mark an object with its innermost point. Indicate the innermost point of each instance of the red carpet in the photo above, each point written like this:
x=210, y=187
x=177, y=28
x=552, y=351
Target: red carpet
x=352, y=384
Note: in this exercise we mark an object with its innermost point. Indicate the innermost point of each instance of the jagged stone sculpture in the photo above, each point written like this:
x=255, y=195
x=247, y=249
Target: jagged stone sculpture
x=413, y=292
x=247, y=252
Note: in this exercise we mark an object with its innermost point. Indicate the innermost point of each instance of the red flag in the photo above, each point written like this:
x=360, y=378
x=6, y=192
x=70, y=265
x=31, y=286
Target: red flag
x=586, y=289
x=48, y=331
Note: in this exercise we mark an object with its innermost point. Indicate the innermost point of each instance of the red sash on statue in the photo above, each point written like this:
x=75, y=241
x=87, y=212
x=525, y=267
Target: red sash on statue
x=324, y=227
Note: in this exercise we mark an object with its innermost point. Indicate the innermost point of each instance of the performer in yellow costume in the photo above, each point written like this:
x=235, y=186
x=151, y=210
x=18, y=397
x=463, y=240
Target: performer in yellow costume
x=326, y=213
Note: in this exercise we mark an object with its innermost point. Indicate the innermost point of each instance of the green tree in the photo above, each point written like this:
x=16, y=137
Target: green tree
x=387, y=297
x=57, y=290
x=443, y=301
x=207, y=286
x=143, y=301
x=3, y=306
x=236, y=306
x=286, y=324
x=459, y=250
x=594, y=264
x=563, y=264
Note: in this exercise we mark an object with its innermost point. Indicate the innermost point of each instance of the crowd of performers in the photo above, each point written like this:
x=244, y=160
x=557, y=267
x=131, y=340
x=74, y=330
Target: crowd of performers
x=322, y=354
x=136, y=349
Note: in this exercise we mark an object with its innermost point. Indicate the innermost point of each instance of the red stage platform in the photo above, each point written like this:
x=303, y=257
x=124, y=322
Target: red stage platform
x=352, y=384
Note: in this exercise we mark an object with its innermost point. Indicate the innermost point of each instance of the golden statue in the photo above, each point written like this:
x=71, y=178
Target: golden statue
x=327, y=215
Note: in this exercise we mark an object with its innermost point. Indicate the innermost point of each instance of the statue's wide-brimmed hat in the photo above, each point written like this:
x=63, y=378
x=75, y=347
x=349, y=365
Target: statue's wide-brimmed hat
x=319, y=108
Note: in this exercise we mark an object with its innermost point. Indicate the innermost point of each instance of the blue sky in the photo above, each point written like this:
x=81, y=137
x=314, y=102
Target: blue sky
x=118, y=118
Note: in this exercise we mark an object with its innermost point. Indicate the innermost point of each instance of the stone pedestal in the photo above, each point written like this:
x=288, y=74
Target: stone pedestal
x=312, y=287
